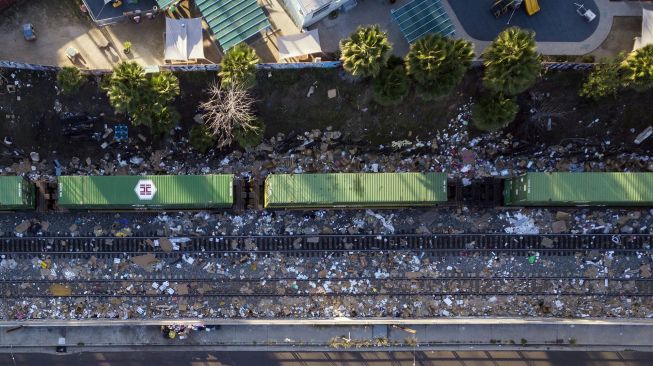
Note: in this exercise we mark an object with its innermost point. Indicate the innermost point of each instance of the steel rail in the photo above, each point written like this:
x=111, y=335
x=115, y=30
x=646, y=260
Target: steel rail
x=318, y=279
x=319, y=244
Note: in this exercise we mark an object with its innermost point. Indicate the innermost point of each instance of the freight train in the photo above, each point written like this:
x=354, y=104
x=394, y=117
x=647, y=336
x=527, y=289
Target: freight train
x=322, y=191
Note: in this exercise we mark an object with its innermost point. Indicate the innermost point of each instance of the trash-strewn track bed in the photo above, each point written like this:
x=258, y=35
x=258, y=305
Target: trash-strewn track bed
x=333, y=275
x=444, y=286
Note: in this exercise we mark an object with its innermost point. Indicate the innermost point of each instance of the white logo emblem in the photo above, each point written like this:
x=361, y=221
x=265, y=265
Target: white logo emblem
x=145, y=189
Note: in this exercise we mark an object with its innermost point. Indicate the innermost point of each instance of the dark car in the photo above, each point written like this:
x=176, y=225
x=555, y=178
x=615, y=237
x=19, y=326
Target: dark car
x=28, y=32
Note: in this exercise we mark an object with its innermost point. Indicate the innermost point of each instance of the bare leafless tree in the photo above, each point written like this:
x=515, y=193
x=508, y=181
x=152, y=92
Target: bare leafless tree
x=228, y=110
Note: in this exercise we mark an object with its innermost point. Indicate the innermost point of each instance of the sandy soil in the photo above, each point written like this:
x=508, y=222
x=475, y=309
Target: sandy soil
x=621, y=37
x=60, y=25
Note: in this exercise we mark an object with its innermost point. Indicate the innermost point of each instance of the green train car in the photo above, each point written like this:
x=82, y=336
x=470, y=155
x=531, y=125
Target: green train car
x=16, y=193
x=355, y=190
x=579, y=189
x=146, y=192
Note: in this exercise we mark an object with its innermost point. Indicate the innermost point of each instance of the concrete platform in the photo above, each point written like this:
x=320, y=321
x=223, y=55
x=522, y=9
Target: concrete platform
x=316, y=335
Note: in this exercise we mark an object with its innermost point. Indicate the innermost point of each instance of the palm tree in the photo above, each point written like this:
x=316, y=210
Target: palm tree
x=512, y=63
x=494, y=111
x=125, y=87
x=392, y=84
x=638, y=69
x=438, y=64
x=238, y=67
x=165, y=86
x=365, y=51
x=146, y=101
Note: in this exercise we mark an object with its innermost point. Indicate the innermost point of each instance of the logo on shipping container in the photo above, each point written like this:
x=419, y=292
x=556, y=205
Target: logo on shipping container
x=145, y=189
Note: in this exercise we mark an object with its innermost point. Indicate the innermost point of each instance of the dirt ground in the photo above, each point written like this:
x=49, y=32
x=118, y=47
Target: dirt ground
x=609, y=122
x=284, y=106
x=621, y=37
x=31, y=116
x=60, y=24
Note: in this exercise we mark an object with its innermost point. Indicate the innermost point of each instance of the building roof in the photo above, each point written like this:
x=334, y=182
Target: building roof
x=233, y=21
x=163, y=4
x=184, y=39
x=100, y=11
x=301, y=44
x=421, y=17
x=309, y=6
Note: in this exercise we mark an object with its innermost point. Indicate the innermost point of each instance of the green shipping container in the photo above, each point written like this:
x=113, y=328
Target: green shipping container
x=355, y=190
x=571, y=189
x=16, y=193
x=152, y=191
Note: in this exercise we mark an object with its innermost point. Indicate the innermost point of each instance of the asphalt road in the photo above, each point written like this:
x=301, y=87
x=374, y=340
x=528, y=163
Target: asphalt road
x=441, y=358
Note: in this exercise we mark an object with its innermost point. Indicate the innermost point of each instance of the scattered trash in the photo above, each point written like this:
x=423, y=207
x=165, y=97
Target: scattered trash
x=644, y=135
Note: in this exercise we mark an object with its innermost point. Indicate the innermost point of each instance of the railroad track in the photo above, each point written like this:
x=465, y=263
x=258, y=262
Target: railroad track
x=172, y=290
x=320, y=245
x=212, y=286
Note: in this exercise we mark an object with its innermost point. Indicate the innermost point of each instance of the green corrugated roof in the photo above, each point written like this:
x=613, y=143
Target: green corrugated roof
x=233, y=21
x=163, y=4
x=16, y=193
x=355, y=190
x=615, y=189
x=421, y=17
x=172, y=191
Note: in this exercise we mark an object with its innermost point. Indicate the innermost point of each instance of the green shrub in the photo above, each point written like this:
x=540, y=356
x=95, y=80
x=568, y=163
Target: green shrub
x=391, y=86
x=201, y=139
x=493, y=112
x=604, y=80
x=638, y=69
x=250, y=138
x=69, y=80
x=588, y=59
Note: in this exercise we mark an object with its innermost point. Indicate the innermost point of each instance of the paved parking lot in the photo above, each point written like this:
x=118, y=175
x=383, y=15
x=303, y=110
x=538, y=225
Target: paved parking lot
x=367, y=12
x=557, y=21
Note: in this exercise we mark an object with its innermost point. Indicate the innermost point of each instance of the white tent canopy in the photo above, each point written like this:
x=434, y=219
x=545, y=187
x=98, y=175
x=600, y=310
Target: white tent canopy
x=184, y=39
x=647, y=30
x=299, y=44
